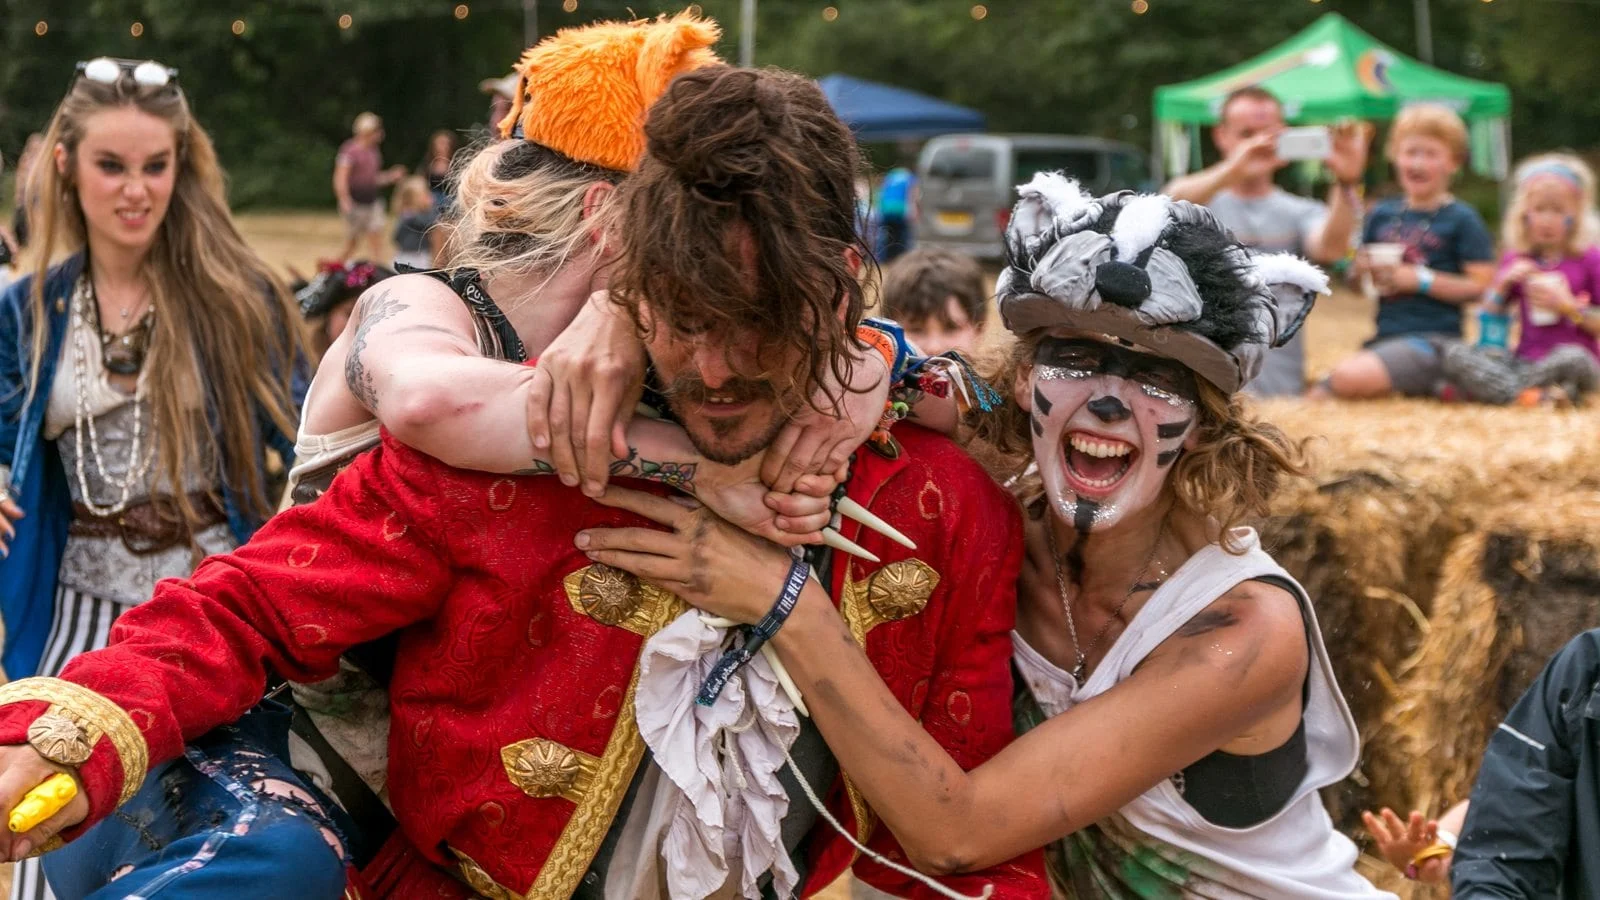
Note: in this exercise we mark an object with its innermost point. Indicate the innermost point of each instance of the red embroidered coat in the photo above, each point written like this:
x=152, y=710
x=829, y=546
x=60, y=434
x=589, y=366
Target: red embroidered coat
x=513, y=737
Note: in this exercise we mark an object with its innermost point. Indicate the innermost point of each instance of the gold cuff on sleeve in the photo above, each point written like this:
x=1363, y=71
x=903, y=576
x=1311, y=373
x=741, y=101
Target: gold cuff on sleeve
x=95, y=715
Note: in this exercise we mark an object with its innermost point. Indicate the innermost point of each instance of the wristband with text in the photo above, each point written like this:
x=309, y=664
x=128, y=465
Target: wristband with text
x=757, y=634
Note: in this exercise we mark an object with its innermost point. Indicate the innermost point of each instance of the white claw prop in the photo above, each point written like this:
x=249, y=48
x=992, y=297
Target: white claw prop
x=853, y=510
x=839, y=542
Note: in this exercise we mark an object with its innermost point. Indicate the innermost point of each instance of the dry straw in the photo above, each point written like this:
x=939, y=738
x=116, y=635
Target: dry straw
x=1449, y=550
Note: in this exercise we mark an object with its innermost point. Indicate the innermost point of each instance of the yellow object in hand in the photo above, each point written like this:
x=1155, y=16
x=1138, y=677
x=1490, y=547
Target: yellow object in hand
x=44, y=801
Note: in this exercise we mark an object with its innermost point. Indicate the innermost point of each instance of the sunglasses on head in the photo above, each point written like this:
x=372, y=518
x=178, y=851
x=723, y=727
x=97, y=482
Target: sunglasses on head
x=107, y=70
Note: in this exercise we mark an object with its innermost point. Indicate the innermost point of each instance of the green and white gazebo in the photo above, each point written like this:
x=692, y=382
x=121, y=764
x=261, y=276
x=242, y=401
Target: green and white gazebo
x=1329, y=72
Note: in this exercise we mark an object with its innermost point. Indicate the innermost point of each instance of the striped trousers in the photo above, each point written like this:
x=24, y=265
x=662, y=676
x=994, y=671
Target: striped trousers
x=82, y=623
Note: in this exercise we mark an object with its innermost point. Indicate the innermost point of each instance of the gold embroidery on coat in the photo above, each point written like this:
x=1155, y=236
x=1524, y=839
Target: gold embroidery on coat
x=613, y=597
x=575, y=848
x=97, y=715
x=901, y=589
x=59, y=739
x=897, y=591
x=479, y=880
x=609, y=595
x=543, y=768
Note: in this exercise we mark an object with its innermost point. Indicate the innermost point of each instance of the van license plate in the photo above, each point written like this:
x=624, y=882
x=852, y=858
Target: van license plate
x=949, y=222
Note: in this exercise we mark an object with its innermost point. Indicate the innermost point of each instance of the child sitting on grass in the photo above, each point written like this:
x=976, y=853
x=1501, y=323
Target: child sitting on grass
x=1437, y=256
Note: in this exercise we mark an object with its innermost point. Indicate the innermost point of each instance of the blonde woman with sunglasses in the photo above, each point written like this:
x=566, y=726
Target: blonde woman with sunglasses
x=141, y=377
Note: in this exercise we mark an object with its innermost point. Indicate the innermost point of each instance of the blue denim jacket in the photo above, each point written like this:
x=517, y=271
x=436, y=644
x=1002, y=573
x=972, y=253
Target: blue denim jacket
x=38, y=481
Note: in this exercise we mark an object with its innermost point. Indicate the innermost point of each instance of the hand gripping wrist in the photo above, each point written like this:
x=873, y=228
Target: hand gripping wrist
x=759, y=633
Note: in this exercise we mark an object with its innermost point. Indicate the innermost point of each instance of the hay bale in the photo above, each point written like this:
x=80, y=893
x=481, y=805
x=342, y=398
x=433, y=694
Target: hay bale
x=1512, y=594
x=1398, y=483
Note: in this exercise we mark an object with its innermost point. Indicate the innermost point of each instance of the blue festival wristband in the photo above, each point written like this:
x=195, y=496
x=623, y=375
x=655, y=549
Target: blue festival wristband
x=1424, y=280
x=757, y=634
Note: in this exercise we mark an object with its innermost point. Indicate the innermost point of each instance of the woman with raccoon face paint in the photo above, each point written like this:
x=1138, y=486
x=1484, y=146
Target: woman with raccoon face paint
x=1179, y=707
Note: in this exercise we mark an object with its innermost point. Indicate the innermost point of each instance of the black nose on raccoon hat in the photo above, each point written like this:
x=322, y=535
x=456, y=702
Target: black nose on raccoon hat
x=1124, y=284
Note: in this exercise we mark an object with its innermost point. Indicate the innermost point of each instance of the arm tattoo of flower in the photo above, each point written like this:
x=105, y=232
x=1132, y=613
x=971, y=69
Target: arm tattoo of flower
x=371, y=312
x=679, y=475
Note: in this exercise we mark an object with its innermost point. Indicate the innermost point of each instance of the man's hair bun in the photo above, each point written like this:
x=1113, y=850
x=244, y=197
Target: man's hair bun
x=714, y=130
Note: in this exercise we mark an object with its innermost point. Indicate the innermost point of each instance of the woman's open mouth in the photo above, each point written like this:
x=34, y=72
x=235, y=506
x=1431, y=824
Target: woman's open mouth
x=1095, y=464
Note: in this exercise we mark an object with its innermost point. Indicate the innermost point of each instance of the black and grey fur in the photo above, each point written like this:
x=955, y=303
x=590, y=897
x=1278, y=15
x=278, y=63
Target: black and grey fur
x=1163, y=275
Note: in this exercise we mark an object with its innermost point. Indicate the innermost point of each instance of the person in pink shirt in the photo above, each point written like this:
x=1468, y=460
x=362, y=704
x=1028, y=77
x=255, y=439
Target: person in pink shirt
x=1551, y=273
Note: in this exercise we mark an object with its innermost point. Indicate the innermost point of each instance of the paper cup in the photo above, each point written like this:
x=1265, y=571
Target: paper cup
x=1538, y=315
x=1383, y=254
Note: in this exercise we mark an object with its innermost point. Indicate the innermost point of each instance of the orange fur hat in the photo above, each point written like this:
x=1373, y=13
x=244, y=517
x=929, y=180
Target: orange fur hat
x=584, y=92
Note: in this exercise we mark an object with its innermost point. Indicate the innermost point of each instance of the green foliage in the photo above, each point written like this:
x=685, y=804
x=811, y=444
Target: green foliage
x=279, y=99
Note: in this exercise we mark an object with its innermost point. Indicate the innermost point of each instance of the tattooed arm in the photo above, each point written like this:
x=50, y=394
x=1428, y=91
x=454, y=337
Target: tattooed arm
x=1230, y=679
x=410, y=357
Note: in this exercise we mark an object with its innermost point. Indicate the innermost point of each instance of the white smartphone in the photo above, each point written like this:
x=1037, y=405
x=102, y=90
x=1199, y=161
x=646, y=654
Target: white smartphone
x=1312, y=142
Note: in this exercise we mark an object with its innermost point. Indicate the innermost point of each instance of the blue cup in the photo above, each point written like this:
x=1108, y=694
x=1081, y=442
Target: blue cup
x=1494, y=329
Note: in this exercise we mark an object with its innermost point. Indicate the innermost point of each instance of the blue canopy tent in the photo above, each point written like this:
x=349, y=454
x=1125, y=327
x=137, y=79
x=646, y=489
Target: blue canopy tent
x=880, y=112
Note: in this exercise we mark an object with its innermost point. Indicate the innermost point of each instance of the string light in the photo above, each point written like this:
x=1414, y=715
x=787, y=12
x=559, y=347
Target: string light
x=238, y=26
x=345, y=21
x=980, y=12
x=41, y=28
x=829, y=13
x=1140, y=7
x=569, y=5
x=137, y=29
x=461, y=11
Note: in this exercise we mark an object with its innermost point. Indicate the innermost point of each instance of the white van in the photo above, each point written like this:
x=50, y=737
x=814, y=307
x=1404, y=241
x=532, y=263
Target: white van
x=968, y=182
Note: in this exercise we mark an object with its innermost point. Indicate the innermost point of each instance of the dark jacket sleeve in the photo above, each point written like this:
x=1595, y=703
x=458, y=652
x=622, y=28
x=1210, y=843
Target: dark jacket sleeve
x=1515, y=840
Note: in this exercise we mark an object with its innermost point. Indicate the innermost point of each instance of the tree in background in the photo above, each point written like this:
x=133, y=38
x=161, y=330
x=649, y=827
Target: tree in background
x=280, y=97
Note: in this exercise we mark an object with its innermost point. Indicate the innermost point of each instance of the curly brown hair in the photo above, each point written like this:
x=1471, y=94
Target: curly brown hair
x=733, y=152
x=1230, y=476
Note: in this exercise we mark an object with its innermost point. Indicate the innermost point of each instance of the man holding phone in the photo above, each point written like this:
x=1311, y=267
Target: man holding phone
x=1240, y=191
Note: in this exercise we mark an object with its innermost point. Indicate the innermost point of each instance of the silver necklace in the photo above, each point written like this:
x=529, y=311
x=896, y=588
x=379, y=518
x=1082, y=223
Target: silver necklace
x=83, y=422
x=1081, y=667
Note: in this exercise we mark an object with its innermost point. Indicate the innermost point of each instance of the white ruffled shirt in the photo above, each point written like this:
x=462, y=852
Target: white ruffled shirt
x=706, y=820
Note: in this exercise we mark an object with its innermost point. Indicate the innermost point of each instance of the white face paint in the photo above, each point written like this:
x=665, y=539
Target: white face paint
x=1108, y=424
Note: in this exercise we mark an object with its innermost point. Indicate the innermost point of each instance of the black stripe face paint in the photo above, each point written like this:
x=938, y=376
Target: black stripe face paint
x=1107, y=424
x=1169, y=430
x=1083, y=515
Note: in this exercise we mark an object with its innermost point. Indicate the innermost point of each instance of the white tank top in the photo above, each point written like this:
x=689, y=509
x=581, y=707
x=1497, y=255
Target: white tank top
x=1296, y=853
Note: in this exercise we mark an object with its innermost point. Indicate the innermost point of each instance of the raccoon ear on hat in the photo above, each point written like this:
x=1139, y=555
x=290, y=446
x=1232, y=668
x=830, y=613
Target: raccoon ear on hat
x=1295, y=284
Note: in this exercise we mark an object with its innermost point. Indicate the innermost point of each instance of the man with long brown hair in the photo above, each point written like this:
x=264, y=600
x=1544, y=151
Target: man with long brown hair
x=517, y=743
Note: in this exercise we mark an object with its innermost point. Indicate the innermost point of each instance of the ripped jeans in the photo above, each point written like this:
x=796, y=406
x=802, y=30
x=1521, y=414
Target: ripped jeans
x=228, y=819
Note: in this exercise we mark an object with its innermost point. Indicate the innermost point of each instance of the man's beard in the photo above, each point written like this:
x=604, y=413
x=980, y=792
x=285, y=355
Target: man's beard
x=687, y=394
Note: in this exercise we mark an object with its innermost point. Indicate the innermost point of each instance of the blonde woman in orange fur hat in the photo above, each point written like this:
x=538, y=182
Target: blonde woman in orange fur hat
x=426, y=355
